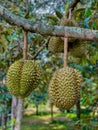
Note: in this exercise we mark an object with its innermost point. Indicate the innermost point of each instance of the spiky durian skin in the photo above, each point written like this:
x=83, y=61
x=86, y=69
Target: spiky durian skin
x=64, y=90
x=79, y=49
x=13, y=78
x=78, y=79
x=56, y=45
x=23, y=77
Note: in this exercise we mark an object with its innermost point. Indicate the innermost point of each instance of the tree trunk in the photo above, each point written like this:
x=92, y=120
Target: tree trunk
x=19, y=114
x=14, y=111
x=78, y=110
x=37, y=112
x=4, y=112
x=4, y=121
x=51, y=106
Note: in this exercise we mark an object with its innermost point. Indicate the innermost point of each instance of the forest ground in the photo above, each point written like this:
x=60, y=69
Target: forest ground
x=61, y=120
x=43, y=121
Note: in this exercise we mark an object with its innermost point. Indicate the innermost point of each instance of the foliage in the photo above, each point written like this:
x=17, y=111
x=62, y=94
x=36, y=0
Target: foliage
x=50, y=13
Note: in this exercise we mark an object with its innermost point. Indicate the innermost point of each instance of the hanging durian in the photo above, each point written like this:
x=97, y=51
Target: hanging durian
x=64, y=88
x=23, y=77
x=56, y=45
x=79, y=48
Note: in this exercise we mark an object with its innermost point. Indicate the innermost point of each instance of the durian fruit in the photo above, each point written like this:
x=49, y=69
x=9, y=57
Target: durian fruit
x=79, y=48
x=56, y=45
x=64, y=88
x=76, y=47
x=78, y=79
x=68, y=22
x=23, y=77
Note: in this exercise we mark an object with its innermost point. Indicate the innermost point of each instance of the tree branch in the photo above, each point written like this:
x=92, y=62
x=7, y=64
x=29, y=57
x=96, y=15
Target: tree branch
x=43, y=29
x=37, y=53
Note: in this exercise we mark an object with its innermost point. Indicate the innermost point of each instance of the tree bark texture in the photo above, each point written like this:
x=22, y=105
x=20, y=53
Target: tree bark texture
x=37, y=110
x=51, y=106
x=60, y=31
x=78, y=110
x=14, y=111
x=19, y=114
x=4, y=121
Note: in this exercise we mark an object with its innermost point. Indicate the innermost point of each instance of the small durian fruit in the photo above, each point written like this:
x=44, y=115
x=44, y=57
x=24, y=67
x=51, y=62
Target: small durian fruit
x=64, y=88
x=79, y=48
x=23, y=77
x=56, y=45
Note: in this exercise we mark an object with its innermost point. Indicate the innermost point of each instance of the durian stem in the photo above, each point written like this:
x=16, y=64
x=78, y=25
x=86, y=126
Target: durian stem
x=66, y=46
x=65, y=51
x=70, y=14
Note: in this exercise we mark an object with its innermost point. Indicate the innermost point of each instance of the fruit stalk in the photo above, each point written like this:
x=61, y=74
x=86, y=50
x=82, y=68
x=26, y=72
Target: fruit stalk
x=65, y=51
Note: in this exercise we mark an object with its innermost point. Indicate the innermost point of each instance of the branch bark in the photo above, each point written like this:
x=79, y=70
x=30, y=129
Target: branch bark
x=60, y=31
x=19, y=114
x=13, y=111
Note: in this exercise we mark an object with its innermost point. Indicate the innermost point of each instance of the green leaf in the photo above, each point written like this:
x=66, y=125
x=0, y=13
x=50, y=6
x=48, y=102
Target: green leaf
x=52, y=17
x=58, y=14
x=88, y=12
x=3, y=63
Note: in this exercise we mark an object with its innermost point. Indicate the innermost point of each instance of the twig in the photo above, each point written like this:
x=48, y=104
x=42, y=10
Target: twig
x=72, y=6
x=40, y=49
